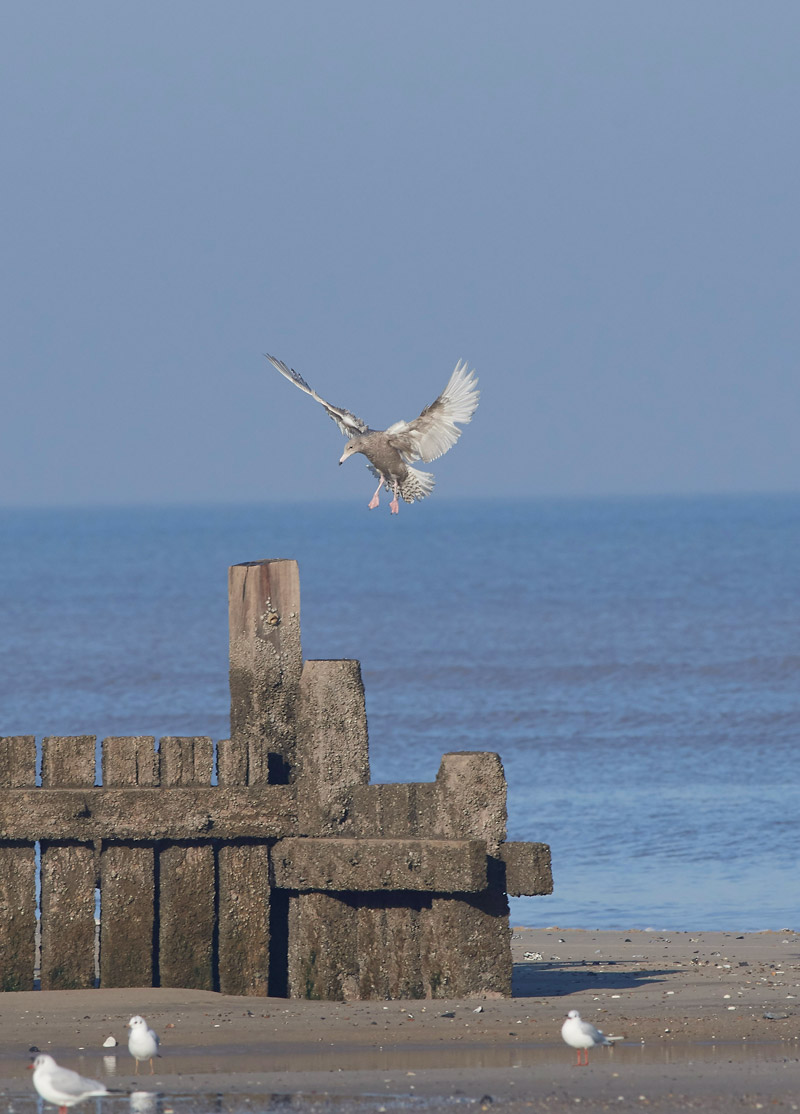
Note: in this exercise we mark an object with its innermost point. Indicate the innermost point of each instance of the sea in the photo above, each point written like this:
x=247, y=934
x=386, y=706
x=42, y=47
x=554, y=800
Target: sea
x=634, y=661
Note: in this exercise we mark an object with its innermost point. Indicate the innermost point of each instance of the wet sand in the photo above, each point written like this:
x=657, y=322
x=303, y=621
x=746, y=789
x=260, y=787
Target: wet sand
x=711, y=1021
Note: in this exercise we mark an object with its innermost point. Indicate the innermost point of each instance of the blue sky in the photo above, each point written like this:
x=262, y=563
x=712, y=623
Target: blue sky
x=595, y=203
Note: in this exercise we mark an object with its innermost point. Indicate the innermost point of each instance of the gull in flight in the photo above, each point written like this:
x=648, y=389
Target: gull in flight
x=390, y=452
x=63, y=1087
x=583, y=1035
x=142, y=1042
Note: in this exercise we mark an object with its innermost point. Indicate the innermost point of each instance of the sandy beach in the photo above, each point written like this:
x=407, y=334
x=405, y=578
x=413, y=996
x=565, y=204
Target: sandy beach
x=710, y=1022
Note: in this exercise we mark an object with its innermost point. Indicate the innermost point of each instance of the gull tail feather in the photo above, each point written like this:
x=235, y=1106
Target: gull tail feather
x=416, y=485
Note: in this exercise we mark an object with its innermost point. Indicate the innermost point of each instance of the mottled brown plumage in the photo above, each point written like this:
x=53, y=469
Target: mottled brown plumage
x=389, y=452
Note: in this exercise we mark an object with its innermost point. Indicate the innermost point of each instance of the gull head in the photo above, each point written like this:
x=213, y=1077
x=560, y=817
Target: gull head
x=350, y=448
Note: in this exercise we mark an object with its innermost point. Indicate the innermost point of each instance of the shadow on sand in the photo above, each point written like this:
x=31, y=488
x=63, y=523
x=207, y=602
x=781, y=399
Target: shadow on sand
x=557, y=978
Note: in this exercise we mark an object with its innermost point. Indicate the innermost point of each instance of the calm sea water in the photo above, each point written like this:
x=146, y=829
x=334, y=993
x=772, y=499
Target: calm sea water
x=636, y=663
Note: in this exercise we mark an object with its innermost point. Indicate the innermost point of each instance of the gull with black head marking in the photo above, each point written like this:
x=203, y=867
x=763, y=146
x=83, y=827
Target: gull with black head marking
x=390, y=452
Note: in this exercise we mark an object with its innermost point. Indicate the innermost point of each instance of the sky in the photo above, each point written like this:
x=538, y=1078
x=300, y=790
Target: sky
x=594, y=203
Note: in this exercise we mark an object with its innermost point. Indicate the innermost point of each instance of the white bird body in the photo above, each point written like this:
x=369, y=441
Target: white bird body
x=391, y=452
x=63, y=1087
x=582, y=1035
x=143, y=1042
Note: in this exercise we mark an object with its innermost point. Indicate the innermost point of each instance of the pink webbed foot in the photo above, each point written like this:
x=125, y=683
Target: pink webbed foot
x=375, y=498
x=394, y=506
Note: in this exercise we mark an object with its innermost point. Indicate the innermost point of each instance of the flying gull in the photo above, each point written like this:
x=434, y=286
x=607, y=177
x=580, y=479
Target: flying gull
x=63, y=1087
x=390, y=452
x=581, y=1034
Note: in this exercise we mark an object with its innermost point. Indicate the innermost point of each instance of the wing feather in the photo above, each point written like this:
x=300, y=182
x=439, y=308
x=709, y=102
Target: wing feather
x=435, y=430
x=348, y=423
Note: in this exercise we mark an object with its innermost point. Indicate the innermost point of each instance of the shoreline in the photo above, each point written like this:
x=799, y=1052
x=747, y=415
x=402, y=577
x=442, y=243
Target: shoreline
x=710, y=1020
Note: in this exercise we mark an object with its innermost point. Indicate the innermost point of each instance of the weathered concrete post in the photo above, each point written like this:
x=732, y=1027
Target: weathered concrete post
x=468, y=947
x=68, y=874
x=187, y=878
x=17, y=870
x=265, y=665
x=127, y=873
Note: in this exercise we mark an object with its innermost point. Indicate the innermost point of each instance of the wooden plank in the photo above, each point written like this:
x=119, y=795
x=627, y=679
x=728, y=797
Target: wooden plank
x=17, y=874
x=17, y=916
x=231, y=762
x=68, y=928
x=359, y=865
x=129, y=760
x=332, y=750
x=323, y=947
x=69, y=875
x=127, y=897
x=187, y=881
x=265, y=665
x=389, y=934
x=127, y=874
x=68, y=761
x=528, y=870
x=17, y=761
x=465, y=946
x=186, y=760
x=148, y=814
x=186, y=916
x=244, y=918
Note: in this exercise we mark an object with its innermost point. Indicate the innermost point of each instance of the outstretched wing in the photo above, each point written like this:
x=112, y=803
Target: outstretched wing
x=348, y=423
x=435, y=430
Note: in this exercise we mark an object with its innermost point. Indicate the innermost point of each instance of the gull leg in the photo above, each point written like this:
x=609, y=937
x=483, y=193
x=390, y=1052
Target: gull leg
x=375, y=500
x=151, y=1066
x=137, y=1067
x=394, y=506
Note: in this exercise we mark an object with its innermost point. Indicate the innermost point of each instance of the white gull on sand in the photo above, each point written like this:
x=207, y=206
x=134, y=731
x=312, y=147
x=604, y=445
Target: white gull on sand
x=581, y=1034
x=63, y=1087
x=142, y=1042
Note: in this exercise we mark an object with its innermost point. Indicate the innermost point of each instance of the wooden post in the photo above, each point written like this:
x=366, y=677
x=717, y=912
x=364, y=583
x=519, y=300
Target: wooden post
x=187, y=881
x=467, y=950
x=265, y=665
x=69, y=875
x=244, y=895
x=127, y=874
x=17, y=874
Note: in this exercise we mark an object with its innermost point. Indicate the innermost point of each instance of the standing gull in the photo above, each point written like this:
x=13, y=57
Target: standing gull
x=142, y=1042
x=63, y=1087
x=390, y=452
x=581, y=1034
